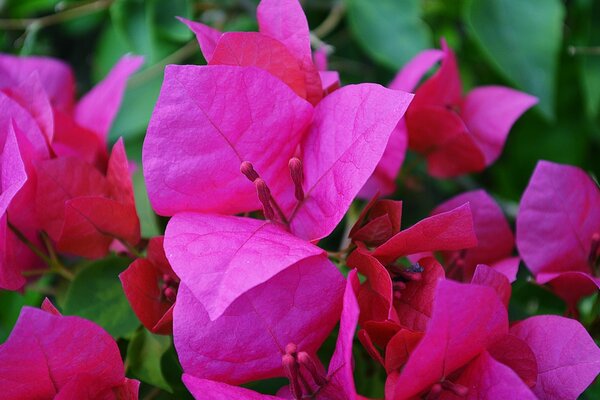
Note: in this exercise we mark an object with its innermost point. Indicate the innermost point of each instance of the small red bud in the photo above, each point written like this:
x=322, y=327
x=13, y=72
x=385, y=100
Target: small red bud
x=170, y=294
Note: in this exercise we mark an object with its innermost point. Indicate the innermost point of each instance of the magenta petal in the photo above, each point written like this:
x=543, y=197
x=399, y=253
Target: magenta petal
x=300, y=305
x=451, y=230
x=12, y=178
x=383, y=180
x=58, y=350
x=516, y=354
x=487, y=276
x=559, y=213
x=571, y=286
x=12, y=170
x=509, y=267
x=488, y=379
x=55, y=76
x=444, y=87
x=340, y=374
x=349, y=133
x=49, y=307
x=495, y=240
x=14, y=113
x=253, y=49
x=98, y=108
x=204, y=389
x=30, y=95
x=285, y=21
x=219, y=258
x=207, y=37
x=466, y=319
x=489, y=112
x=409, y=76
x=568, y=359
x=207, y=121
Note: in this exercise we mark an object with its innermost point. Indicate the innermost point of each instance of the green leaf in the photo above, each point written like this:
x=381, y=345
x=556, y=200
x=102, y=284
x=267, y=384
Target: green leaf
x=96, y=294
x=138, y=103
x=27, y=8
x=390, y=31
x=523, y=40
x=163, y=15
x=12, y=302
x=144, y=357
x=590, y=63
x=143, y=207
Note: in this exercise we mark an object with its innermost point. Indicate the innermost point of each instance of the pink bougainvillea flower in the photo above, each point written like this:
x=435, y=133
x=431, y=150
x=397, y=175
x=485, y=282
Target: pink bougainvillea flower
x=49, y=356
x=397, y=296
x=558, y=230
x=45, y=88
x=221, y=130
x=468, y=351
x=457, y=134
x=251, y=279
x=306, y=375
x=568, y=360
x=13, y=176
x=38, y=106
x=56, y=77
x=18, y=192
x=383, y=180
x=151, y=288
x=281, y=47
x=83, y=209
x=450, y=230
x=495, y=240
x=211, y=119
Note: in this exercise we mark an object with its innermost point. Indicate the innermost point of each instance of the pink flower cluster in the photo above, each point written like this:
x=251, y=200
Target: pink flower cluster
x=256, y=157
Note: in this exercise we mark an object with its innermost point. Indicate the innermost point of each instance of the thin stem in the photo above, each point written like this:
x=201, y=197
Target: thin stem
x=152, y=394
x=29, y=244
x=331, y=21
x=131, y=249
x=53, y=263
x=589, y=51
x=56, y=18
x=176, y=57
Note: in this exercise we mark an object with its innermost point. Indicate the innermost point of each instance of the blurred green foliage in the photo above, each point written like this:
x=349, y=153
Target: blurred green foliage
x=549, y=48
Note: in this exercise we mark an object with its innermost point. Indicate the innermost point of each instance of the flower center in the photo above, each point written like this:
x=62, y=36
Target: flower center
x=402, y=275
x=305, y=377
x=271, y=209
x=436, y=390
x=168, y=288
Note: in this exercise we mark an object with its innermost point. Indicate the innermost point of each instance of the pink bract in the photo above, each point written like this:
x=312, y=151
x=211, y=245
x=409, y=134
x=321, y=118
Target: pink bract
x=151, y=286
x=82, y=209
x=383, y=180
x=495, y=240
x=558, y=219
x=201, y=171
x=282, y=47
x=338, y=381
x=207, y=121
x=457, y=134
x=253, y=288
x=300, y=305
x=66, y=358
